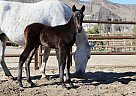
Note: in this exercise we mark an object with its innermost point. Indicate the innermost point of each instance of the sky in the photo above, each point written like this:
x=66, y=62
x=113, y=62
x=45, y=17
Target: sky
x=120, y=1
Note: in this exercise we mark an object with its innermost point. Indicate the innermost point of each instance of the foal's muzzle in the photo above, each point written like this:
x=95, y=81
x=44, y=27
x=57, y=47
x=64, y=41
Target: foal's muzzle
x=79, y=29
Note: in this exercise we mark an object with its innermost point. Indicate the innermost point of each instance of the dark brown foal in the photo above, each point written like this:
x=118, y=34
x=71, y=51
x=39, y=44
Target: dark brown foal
x=52, y=37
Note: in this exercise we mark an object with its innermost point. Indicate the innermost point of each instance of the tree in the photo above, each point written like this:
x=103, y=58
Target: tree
x=95, y=30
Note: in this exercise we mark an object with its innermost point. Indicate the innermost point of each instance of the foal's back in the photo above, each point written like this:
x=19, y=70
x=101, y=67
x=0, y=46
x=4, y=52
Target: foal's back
x=48, y=36
x=33, y=31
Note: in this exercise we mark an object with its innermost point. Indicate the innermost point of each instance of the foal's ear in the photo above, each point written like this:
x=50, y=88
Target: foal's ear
x=83, y=8
x=74, y=8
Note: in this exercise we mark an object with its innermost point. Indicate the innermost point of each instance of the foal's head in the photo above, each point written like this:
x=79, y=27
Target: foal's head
x=78, y=17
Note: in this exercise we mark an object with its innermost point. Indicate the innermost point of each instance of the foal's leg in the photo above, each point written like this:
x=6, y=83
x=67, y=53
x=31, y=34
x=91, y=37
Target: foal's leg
x=62, y=63
x=57, y=54
x=2, y=61
x=27, y=67
x=22, y=59
x=69, y=62
x=45, y=58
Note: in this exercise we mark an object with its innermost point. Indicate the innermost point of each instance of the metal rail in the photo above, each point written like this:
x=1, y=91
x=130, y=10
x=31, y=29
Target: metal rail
x=109, y=22
x=111, y=37
x=113, y=53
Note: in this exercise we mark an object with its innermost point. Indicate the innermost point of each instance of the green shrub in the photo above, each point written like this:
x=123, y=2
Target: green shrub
x=96, y=29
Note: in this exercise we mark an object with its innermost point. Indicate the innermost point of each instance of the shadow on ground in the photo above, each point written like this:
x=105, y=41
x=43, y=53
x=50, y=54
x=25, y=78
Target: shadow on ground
x=96, y=78
x=99, y=77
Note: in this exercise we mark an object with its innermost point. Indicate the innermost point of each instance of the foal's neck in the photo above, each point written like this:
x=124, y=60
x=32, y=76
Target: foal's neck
x=71, y=25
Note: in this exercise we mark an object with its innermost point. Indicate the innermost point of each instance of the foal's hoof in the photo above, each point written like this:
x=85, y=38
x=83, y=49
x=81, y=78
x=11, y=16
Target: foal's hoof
x=46, y=77
x=21, y=89
x=72, y=85
x=65, y=87
x=43, y=76
x=9, y=77
x=31, y=84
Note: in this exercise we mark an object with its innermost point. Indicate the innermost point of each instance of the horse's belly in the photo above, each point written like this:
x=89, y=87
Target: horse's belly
x=17, y=39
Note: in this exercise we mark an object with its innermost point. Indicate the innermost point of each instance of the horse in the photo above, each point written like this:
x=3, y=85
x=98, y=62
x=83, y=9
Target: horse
x=15, y=16
x=52, y=37
x=82, y=51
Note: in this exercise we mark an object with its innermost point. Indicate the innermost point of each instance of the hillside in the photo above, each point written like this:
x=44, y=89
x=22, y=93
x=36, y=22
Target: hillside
x=125, y=12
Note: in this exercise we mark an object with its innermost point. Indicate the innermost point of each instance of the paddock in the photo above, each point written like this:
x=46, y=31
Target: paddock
x=112, y=74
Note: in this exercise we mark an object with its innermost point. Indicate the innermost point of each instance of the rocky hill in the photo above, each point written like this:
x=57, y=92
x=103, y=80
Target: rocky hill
x=125, y=12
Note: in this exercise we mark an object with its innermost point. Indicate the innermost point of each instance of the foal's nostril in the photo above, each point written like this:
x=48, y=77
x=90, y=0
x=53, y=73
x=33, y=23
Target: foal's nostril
x=88, y=57
x=79, y=29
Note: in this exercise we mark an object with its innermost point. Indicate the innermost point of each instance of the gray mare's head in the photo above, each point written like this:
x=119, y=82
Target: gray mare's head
x=82, y=53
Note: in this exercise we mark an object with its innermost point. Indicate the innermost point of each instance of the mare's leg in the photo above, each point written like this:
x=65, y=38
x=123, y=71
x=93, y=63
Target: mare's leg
x=45, y=58
x=2, y=61
x=62, y=63
x=69, y=62
x=27, y=67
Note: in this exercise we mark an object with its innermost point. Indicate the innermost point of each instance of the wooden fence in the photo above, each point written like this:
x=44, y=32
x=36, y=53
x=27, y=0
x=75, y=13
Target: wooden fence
x=109, y=22
x=110, y=38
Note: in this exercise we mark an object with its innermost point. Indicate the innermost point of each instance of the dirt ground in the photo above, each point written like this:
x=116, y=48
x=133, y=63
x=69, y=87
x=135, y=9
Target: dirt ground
x=105, y=76
x=98, y=81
